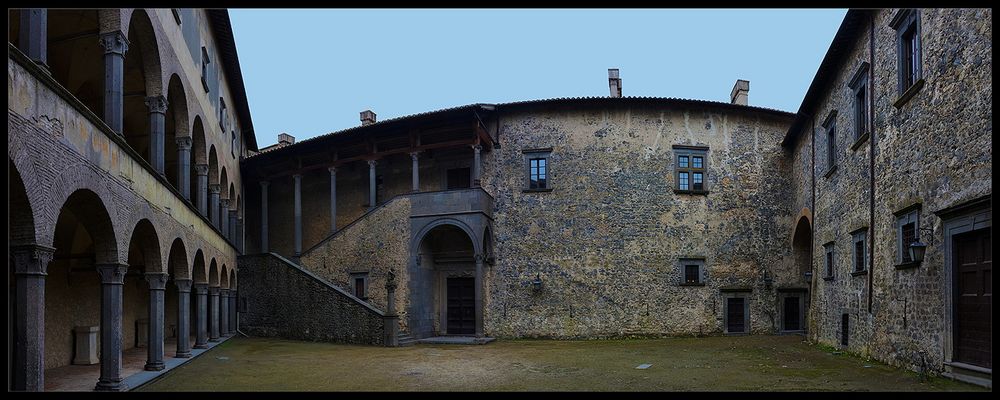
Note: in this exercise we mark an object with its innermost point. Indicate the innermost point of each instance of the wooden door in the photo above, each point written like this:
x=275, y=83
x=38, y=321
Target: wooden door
x=973, y=298
x=735, y=315
x=792, y=313
x=461, y=306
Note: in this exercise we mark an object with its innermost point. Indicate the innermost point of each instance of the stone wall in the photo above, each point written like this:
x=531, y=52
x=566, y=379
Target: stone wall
x=286, y=301
x=935, y=150
x=607, y=240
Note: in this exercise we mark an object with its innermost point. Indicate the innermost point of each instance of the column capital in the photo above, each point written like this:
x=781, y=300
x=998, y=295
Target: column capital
x=372, y=163
x=265, y=184
x=477, y=148
x=183, y=285
x=112, y=273
x=200, y=288
x=184, y=142
x=213, y=290
x=201, y=169
x=31, y=259
x=333, y=170
x=214, y=188
x=297, y=177
x=224, y=202
x=415, y=155
x=157, y=280
x=156, y=104
x=114, y=42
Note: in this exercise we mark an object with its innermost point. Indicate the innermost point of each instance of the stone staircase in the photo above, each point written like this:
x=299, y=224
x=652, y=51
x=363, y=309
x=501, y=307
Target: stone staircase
x=406, y=340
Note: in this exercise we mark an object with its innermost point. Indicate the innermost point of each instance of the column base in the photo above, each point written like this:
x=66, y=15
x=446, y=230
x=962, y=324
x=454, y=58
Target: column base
x=213, y=340
x=157, y=366
x=186, y=354
x=110, y=386
x=201, y=346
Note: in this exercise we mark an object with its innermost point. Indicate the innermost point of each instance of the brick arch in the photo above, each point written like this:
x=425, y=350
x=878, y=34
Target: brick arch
x=92, y=212
x=177, y=260
x=806, y=214
x=177, y=98
x=81, y=178
x=213, y=273
x=21, y=205
x=213, y=166
x=223, y=184
x=199, y=269
x=224, y=277
x=143, y=38
x=147, y=240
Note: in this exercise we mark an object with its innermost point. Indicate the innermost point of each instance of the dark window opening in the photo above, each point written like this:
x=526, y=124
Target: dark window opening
x=831, y=143
x=459, y=178
x=909, y=49
x=359, y=288
x=844, y=328
x=859, y=256
x=692, y=274
x=537, y=173
x=860, y=113
x=909, y=232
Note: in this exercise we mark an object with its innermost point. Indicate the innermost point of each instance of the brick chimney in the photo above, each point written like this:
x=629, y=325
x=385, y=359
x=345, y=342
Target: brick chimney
x=614, y=82
x=741, y=92
x=367, y=117
x=285, y=139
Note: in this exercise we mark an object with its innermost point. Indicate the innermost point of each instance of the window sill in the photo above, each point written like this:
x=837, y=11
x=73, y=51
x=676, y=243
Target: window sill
x=908, y=265
x=700, y=192
x=535, y=190
x=909, y=93
x=827, y=278
x=859, y=273
x=830, y=171
x=861, y=140
x=692, y=284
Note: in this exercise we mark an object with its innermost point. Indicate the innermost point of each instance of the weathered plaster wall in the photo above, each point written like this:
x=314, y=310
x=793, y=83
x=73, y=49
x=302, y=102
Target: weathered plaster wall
x=606, y=241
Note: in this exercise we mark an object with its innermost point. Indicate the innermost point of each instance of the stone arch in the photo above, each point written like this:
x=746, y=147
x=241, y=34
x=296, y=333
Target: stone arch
x=223, y=184
x=177, y=260
x=145, y=243
x=224, y=277
x=445, y=252
x=417, y=239
x=199, y=272
x=85, y=209
x=21, y=226
x=176, y=126
x=213, y=273
x=142, y=81
x=802, y=247
x=213, y=166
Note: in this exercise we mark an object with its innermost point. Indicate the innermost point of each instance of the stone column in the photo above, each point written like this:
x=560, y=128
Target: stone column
x=30, y=264
x=201, y=173
x=240, y=239
x=183, y=318
x=201, y=324
x=415, y=156
x=232, y=311
x=213, y=204
x=213, y=314
x=32, y=39
x=112, y=282
x=232, y=227
x=157, y=286
x=476, y=166
x=479, y=295
x=115, y=45
x=263, y=216
x=298, y=215
x=184, y=166
x=224, y=217
x=223, y=312
x=371, y=184
x=391, y=320
x=333, y=199
x=157, y=131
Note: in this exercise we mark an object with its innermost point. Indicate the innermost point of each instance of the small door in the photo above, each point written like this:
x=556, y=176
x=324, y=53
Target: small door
x=735, y=315
x=974, y=298
x=459, y=178
x=792, y=314
x=461, y=306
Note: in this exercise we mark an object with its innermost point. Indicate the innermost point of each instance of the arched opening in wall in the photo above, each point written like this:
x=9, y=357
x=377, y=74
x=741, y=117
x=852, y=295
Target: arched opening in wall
x=802, y=248
x=176, y=127
x=142, y=82
x=213, y=300
x=231, y=218
x=442, y=293
x=178, y=267
x=794, y=304
x=75, y=56
x=84, y=237
x=20, y=231
x=213, y=184
x=199, y=158
x=199, y=275
x=144, y=257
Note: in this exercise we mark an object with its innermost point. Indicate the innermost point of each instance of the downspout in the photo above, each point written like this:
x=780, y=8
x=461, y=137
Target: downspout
x=871, y=158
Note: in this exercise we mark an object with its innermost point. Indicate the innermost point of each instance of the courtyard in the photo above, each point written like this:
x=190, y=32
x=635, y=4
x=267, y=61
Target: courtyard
x=732, y=363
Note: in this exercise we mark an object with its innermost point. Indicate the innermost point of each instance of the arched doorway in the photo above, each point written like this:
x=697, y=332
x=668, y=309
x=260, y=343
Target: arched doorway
x=443, y=283
x=794, y=302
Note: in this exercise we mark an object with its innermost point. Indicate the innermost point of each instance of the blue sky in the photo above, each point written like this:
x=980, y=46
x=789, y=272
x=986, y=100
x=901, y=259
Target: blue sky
x=310, y=72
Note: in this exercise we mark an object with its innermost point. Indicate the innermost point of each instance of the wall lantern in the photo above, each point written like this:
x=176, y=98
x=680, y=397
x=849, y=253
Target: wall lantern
x=537, y=283
x=919, y=248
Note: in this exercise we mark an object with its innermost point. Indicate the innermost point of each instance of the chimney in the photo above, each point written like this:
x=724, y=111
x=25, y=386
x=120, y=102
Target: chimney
x=285, y=139
x=614, y=82
x=367, y=117
x=741, y=92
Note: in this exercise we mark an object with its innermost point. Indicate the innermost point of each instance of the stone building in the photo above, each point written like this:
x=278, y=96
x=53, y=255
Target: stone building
x=850, y=221
x=125, y=130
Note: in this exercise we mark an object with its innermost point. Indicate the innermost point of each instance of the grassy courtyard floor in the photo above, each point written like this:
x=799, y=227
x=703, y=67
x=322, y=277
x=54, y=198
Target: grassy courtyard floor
x=747, y=363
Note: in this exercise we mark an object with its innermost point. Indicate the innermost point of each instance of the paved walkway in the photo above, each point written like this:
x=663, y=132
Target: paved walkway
x=745, y=363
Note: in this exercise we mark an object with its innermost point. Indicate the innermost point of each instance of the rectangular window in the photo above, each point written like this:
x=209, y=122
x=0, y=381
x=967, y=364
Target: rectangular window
x=859, y=87
x=204, y=68
x=222, y=114
x=359, y=282
x=692, y=274
x=829, y=260
x=907, y=232
x=538, y=170
x=831, y=145
x=907, y=26
x=232, y=145
x=859, y=238
x=691, y=168
x=692, y=271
